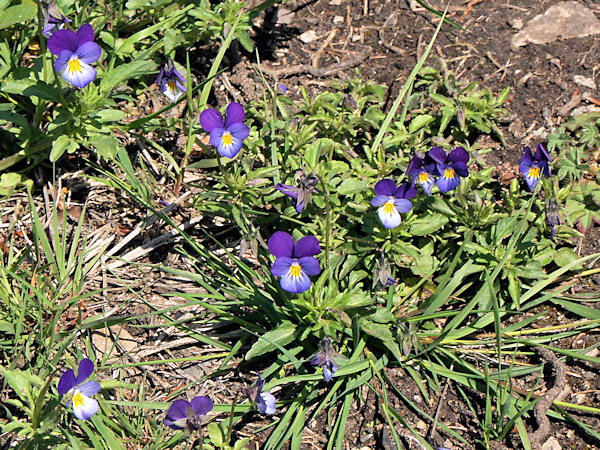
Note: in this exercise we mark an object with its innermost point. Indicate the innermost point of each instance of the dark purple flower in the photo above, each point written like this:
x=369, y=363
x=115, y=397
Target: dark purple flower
x=294, y=261
x=282, y=88
x=188, y=415
x=450, y=167
x=307, y=185
x=54, y=20
x=80, y=393
x=75, y=51
x=264, y=402
x=227, y=136
x=172, y=83
x=392, y=200
x=325, y=358
x=422, y=170
x=533, y=166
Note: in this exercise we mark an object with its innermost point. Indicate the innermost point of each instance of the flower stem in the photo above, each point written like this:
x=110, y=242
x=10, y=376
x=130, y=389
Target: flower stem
x=327, y=223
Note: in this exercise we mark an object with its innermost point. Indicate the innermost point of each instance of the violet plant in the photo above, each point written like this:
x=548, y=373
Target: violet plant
x=78, y=392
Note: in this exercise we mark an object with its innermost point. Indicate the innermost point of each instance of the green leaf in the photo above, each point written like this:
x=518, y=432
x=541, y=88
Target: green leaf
x=566, y=256
x=383, y=333
x=419, y=122
x=282, y=335
x=106, y=145
x=59, y=146
x=215, y=434
x=124, y=72
x=351, y=186
x=427, y=225
x=31, y=88
x=442, y=99
x=18, y=14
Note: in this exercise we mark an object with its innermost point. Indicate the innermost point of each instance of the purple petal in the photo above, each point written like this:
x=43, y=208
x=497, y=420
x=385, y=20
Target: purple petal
x=202, y=405
x=81, y=77
x=385, y=187
x=85, y=369
x=406, y=190
x=89, y=52
x=234, y=114
x=266, y=403
x=459, y=154
x=85, y=34
x=62, y=60
x=281, y=244
x=525, y=165
x=402, y=205
x=90, y=388
x=415, y=164
x=461, y=169
x=545, y=169
x=447, y=184
x=541, y=154
x=293, y=284
x=307, y=246
x=238, y=130
x=426, y=181
x=260, y=383
x=160, y=76
x=310, y=265
x=526, y=156
x=300, y=206
x=281, y=266
x=290, y=191
x=66, y=382
x=178, y=410
x=380, y=200
x=180, y=77
x=438, y=155
x=226, y=143
x=531, y=182
x=211, y=119
x=327, y=373
x=62, y=40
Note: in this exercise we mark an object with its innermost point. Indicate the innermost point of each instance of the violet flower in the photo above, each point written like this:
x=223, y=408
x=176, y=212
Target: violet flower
x=451, y=167
x=533, y=166
x=226, y=136
x=325, y=358
x=84, y=406
x=75, y=51
x=172, y=83
x=294, y=261
x=264, y=402
x=307, y=185
x=552, y=216
x=392, y=200
x=382, y=274
x=188, y=415
x=54, y=20
x=422, y=169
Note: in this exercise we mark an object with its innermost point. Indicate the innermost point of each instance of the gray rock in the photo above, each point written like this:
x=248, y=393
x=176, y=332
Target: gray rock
x=562, y=21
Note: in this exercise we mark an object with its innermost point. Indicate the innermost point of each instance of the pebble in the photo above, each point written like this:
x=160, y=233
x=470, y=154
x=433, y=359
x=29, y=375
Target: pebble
x=308, y=36
x=584, y=81
x=338, y=19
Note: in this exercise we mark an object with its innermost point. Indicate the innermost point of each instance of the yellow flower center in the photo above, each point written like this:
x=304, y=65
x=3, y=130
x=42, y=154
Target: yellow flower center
x=449, y=173
x=74, y=65
x=227, y=138
x=389, y=207
x=78, y=400
x=534, y=172
x=423, y=177
x=295, y=270
x=172, y=85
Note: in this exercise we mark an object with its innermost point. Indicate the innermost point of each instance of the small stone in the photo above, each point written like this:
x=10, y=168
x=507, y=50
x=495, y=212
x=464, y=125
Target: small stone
x=308, y=36
x=584, y=81
x=338, y=19
x=561, y=21
x=516, y=23
x=551, y=444
x=335, y=2
x=285, y=16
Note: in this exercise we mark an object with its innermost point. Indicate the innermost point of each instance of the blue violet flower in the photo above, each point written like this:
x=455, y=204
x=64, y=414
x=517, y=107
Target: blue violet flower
x=188, y=415
x=325, y=358
x=54, y=20
x=228, y=136
x=294, y=261
x=533, y=166
x=422, y=169
x=392, y=200
x=451, y=167
x=172, y=83
x=307, y=185
x=264, y=402
x=75, y=51
x=80, y=393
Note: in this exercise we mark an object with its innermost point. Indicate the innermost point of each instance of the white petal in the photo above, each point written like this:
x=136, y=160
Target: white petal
x=84, y=407
x=389, y=220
